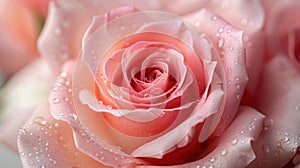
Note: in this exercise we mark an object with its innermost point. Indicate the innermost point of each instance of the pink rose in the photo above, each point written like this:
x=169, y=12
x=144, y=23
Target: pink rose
x=278, y=96
x=139, y=88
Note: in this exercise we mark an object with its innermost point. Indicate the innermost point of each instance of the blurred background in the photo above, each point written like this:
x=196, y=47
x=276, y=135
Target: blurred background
x=9, y=159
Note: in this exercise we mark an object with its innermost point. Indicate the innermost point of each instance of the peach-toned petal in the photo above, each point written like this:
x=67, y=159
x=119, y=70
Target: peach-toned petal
x=234, y=147
x=62, y=108
x=46, y=142
x=17, y=36
x=40, y=6
x=229, y=45
x=278, y=98
x=20, y=96
x=174, y=138
x=247, y=15
x=65, y=26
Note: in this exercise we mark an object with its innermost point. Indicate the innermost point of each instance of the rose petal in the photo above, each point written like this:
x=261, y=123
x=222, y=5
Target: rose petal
x=65, y=26
x=17, y=36
x=167, y=142
x=62, y=108
x=246, y=15
x=20, y=96
x=230, y=47
x=46, y=142
x=278, y=98
x=234, y=148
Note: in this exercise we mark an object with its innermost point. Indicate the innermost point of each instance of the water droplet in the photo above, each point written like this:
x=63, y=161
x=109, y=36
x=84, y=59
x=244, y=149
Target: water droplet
x=214, y=18
x=234, y=142
x=74, y=116
x=220, y=42
x=251, y=128
x=58, y=84
x=284, y=139
x=221, y=30
x=40, y=120
x=237, y=96
x=231, y=48
x=223, y=152
x=211, y=160
x=197, y=23
x=285, y=133
x=63, y=74
x=93, y=52
x=241, y=131
x=228, y=31
x=229, y=69
x=67, y=82
x=229, y=82
x=102, y=158
x=237, y=86
x=56, y=100
x=244, y=22
x=96, y=154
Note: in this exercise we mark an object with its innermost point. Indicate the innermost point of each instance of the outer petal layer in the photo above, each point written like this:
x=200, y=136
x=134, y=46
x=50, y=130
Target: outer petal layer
x=234, y=148
x=46, y=142
x=279, y=99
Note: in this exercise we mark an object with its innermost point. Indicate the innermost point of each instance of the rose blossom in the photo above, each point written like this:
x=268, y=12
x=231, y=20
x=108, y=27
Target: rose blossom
x=150, y=88
x=280, y=85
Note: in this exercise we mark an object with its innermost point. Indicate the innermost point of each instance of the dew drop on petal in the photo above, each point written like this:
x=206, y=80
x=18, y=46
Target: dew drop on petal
x=56, y=100
x=40, y=120
x=63, y=74
x=223, y=152
x=229, y=69
x=220, y=42
x=214, y=18
x=211, y=160
x=284, y=139
x=244, y=22
x=234, y=142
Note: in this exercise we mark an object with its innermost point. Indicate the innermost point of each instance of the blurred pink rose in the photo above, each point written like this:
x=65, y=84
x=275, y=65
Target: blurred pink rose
x=20, y=24
x=136, y=88
x=278, y=95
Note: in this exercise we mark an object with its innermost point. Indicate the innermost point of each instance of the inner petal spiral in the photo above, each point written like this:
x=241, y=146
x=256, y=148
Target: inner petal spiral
x=152, y=79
